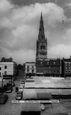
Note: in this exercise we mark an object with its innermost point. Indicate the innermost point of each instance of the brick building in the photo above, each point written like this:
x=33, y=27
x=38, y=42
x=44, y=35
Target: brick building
x=49, y=67
x=66, y=67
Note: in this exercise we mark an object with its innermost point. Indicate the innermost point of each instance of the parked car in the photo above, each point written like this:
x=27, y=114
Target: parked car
x=20, y=89
x=2, y=89
x=19, y=95
x=16, y=89
x=22, y=85
x=42, y=107
x=9, y=89
x=3, y=98
x=23, y=82
x=12, y=83
x=20, y=92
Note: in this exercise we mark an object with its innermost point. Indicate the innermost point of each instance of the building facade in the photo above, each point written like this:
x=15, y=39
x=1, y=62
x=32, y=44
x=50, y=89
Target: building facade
x=29, y=69
x=8, y=68
x=49, y=67
x=44, y=66
x=66, y=67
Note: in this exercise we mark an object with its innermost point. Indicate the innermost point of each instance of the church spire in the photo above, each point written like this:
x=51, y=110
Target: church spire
x=41, y=19
x=41, y=28
x=41, y=46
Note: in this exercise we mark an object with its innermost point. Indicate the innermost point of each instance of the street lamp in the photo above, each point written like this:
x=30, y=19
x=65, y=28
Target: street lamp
x=2, y=80
x=2, y=83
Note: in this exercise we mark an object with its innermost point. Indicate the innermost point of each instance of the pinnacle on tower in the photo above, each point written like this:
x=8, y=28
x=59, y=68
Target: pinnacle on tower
x=41, y=22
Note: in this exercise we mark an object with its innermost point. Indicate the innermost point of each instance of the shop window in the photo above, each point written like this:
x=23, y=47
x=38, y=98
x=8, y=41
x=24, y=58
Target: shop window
x=0, y=68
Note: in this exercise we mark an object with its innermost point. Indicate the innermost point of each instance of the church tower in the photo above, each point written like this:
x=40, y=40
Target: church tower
x=41, y=45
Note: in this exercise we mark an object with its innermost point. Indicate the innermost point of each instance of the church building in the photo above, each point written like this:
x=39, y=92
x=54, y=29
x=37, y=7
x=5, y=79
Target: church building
x=45, y=66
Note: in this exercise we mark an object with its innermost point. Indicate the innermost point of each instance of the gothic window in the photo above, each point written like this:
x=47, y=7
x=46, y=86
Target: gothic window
x=42, y=47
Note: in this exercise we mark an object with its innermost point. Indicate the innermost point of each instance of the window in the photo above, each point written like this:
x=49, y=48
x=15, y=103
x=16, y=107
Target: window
x=54, y=71
x=27, y=70
x=27, y=67
x=0, y=74
x=42, y=47
x=0, y=68
x=5, y=67
x=57, y=71
x=32, y=70
x=69, y=64
x=32, y=67
x=65, y=68
x=69, y=68
x=5, y=72
x=54, y=63
x=66, y=71
x=47, y=63
x=41, y=62
x=65, y=63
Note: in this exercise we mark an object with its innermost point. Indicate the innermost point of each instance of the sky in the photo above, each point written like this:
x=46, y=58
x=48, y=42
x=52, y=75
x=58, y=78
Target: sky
x=19, y=28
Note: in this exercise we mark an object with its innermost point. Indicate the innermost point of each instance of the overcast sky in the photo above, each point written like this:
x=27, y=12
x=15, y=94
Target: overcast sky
x=19, y=27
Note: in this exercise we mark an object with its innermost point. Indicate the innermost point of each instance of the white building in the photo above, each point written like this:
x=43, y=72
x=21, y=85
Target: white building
x=30, y=68
x=7, y=68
